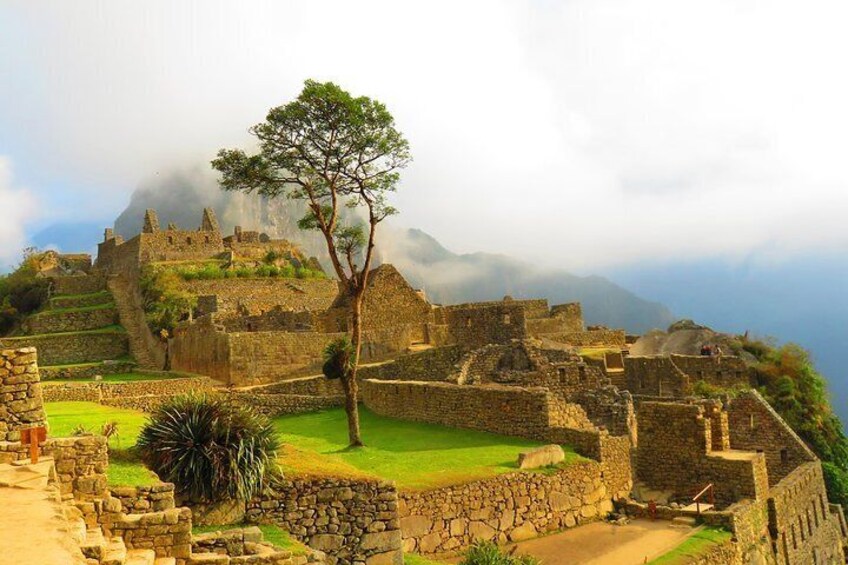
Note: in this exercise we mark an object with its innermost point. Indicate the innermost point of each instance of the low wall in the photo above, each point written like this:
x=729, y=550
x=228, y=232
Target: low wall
x=510, y=507
x=51, y=321
x=167, y=533
x=354, y=521
x=62, y=349
x=84, y=371
x=308, y=386
x=81, y=464
x=21, y=404
x=590, y=338
x=103, y=391
x=430, y=365
x=273, y=405
x=146, y=499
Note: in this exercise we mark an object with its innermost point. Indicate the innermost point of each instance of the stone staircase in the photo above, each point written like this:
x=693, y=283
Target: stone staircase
x=142, y=344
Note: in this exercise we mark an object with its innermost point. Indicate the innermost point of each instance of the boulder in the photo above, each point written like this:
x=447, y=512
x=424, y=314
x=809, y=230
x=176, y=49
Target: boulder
x=541, y=457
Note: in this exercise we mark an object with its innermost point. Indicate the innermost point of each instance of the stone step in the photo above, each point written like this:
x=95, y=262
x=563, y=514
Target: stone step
x=23, y=474
x=93, y=545
x=208, y=559
x=684, y=522
x=115, y=552
x=165, y=561
x=140, y=557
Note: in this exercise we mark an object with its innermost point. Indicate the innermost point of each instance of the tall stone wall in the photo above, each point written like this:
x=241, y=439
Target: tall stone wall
x=21, y=404
x=505, y=410
x=510, y=507
x=590, y=338
x=675, y=453
x=802, y=526
x=755, y=426
x=354, y=521
x=78, y=284
x=570, y=314
x=725, y=371
x=201, y=348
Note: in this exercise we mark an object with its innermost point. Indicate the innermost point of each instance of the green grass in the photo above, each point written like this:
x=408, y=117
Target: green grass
x=415, y=559
x=414, y=455
x=272, y=534
x=694, y=546
x=104, y=330
x=58, y=298
x=124, y=466
x=124, y=359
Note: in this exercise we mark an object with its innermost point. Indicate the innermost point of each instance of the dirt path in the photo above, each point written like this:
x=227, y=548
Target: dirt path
x=601, y=543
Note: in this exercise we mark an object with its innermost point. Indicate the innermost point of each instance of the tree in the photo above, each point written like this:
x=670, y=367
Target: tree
x=332, y=151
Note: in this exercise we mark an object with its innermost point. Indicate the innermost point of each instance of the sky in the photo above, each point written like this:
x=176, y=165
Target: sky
x=584, y=134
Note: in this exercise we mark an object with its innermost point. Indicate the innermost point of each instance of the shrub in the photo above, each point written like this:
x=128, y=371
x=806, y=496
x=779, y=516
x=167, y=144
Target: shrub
x=22, y=292
x=487, y=553
x=164, y=303
x=210, y=448
x=339, y=358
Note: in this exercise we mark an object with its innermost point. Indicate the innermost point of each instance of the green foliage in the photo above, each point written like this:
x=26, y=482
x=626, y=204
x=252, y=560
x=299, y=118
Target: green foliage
x=487, y=553
x=164, y=303
x=694, y=547
x=22, y=292
x=210, y=448
x=339, y=358
x=836, y=480
x=214, y=271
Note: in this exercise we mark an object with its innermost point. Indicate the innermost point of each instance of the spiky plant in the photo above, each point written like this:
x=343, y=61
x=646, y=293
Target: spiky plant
x=339, y=358
x=210, y=447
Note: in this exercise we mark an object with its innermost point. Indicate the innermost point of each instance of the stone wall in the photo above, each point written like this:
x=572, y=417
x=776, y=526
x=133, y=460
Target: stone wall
x=675, y=453
x=435, y=364
x=354, y=521
x=655, y=376
x=262, y=294
x=78, y=284
x=755, y=426
x=570, y=314
x=63, y=349
x=50, y=321
x=202, y=348
x=803, y=528
x=475, y=325
x=273, y=405
x=81, y=464
x=311, y=386
x=21, y=404
x=144, y=499
x=590, y=338
x=85, y=371
x=510, y=507
x=725, y=371
x=167, y=533
x=505, y=410
x=102, y=391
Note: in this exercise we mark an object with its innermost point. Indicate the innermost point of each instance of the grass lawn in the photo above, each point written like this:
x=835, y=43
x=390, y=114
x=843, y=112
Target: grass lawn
x=271, y=533
x=695, y=546
x=415, y=559
x=416, y=456
x=130, y=377
x=124, y=467
x=63, y=310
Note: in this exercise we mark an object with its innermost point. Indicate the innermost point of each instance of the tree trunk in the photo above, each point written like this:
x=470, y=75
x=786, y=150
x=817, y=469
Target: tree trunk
x=351, y=388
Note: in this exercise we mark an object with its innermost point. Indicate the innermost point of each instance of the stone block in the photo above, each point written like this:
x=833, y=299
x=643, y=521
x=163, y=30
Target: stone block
x=541, y=457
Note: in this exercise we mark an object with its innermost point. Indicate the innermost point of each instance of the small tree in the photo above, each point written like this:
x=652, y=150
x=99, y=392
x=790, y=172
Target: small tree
x=331, y=151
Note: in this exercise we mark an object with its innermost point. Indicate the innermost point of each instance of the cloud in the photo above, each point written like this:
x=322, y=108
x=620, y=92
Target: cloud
x=18, y=206
x=579, y=134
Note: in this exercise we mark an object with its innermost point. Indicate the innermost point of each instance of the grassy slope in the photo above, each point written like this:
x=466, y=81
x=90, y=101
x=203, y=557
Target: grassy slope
x=695, y=546
x=51, y=311
x=124, y=469
x=415, y=455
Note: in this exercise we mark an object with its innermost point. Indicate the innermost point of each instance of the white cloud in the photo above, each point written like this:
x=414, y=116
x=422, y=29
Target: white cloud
x=17, y=206
x=577, y=133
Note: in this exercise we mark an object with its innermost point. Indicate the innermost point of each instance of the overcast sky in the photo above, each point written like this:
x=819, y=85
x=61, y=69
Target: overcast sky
x=582, y=134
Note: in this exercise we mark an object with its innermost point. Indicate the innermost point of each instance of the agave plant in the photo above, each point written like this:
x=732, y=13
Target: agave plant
x=339, y=358
x=210, y=448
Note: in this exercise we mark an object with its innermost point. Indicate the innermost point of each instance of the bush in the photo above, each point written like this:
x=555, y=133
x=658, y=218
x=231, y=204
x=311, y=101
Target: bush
x=210, y=448
x=22, y=292
x=487, y=553
x=164, y=303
